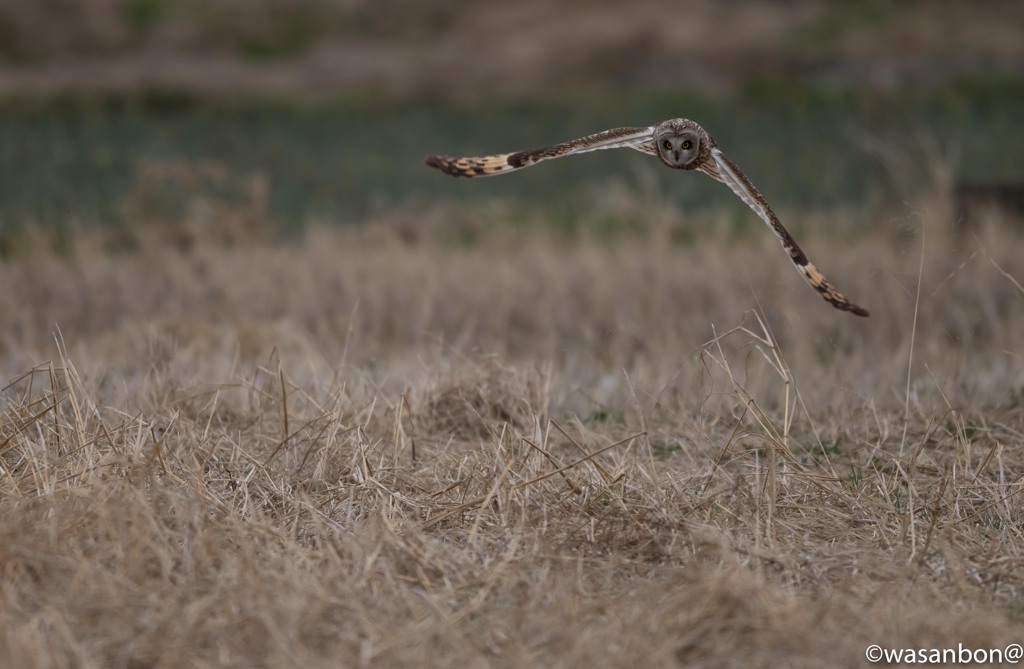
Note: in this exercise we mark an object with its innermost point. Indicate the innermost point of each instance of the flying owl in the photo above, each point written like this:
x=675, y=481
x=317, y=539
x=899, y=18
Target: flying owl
x=681, y=144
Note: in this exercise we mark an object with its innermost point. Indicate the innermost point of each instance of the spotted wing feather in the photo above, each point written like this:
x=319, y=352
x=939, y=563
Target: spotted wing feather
x=639, y=139
x=726, y=171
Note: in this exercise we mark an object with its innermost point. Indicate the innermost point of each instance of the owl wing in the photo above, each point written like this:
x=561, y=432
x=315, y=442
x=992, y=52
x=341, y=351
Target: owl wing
x=726, y=171
x=639, y=139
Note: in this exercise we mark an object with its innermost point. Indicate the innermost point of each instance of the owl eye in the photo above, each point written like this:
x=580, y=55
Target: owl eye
x=668, y=145
x=687, y=144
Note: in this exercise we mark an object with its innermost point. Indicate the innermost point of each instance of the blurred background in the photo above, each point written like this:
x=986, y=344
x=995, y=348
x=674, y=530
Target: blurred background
x=259, y=117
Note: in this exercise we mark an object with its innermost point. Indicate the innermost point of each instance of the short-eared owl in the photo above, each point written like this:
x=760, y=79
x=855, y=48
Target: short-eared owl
x=681, y=144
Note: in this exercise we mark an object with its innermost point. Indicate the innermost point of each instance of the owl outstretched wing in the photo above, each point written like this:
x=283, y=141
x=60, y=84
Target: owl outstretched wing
x=706, y=157
x=726, y=171
x=639, y=139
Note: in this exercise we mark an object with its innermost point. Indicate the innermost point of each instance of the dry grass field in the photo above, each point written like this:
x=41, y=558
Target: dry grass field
x=435, y=442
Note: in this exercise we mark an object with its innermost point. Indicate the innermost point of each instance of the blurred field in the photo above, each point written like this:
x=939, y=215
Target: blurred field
x=78, y=163
x=437, y=440
x=459, y=48
x=121, y=110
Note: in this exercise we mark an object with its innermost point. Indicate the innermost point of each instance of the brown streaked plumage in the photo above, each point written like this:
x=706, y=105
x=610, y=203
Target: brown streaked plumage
x=681, y=144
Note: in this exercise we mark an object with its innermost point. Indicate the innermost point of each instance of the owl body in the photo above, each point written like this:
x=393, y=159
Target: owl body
x=680, y=144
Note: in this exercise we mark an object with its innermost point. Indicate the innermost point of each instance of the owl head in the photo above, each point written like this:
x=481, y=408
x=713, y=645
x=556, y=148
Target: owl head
x=681, y=143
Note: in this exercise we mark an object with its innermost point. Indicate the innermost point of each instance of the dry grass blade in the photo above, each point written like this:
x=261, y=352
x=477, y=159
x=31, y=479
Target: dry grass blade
x=27, y=424
x=1007, y=275
x=604, y=472
x=913, y=336
x=553, y=460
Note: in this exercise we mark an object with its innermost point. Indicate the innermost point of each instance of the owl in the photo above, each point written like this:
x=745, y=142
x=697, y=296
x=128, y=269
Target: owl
x=680, y=144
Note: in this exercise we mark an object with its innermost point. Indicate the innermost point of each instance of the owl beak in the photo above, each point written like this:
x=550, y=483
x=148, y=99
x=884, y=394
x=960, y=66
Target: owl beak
x=677, y=155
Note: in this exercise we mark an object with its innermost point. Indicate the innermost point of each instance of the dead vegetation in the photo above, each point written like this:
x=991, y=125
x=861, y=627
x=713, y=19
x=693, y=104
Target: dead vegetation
x=362, y=449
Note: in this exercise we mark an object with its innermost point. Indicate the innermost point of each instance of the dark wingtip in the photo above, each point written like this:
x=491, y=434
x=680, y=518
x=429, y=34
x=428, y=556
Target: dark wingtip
x=445, y=164
x=858, y=311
